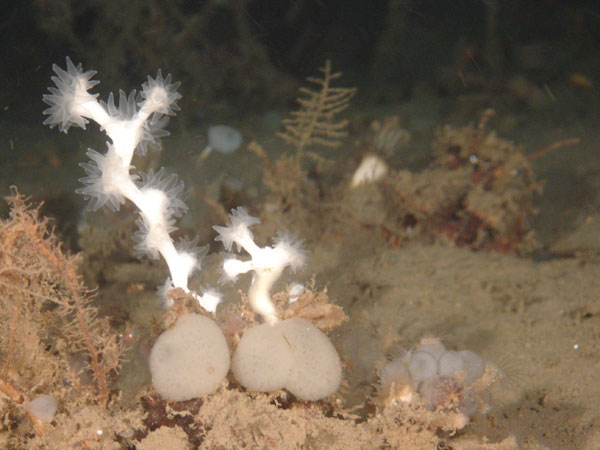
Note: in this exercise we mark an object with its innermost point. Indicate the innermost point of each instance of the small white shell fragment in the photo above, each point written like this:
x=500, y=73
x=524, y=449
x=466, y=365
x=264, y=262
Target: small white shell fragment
x=294, y=292
x=371, y=169
x=224, y=139
x=43, y=407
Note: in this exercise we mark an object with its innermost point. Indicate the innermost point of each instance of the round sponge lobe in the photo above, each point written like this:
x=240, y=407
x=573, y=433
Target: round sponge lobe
x=262, y=359
x=291, y=354
x=433, y=346
x=474, y=365
x=316, y=370
x=451, y=364
x=190, y=359
x=422, y=366
x=394, y=371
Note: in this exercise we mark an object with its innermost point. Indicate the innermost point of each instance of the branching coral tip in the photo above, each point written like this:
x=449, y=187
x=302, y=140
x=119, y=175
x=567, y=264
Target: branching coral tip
x=267, y=263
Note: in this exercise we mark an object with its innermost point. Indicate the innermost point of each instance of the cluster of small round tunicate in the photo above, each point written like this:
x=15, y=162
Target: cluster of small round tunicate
x=434, y=377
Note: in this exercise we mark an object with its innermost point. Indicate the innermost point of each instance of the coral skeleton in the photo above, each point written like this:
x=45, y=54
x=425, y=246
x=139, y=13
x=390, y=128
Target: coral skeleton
x=135, y=123
x=267, y=263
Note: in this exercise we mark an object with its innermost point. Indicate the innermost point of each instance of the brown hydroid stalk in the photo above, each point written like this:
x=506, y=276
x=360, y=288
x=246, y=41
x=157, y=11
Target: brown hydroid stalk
x=34, y=274
x=74, y=287
x=538, y=154
x=316, y=122
x=11, y=341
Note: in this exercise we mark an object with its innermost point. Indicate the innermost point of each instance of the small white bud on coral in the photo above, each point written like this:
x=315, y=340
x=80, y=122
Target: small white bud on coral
x=223, y=139
x=238, y=231
x=210, y=299
x=422, y=366
x=160, y=95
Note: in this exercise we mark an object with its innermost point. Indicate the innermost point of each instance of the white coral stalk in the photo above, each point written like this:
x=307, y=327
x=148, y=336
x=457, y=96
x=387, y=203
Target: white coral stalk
x=109, y=180
x=267, y=263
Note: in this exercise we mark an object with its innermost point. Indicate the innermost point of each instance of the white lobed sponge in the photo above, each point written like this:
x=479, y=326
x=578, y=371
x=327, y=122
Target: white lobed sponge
x=422, y=366
x=291, y=354
x=190, y=359
x=262, y=360
x=316, y=370
x=446, y=382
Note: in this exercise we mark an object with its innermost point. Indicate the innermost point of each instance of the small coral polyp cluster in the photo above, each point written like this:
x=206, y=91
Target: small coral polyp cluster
x=443, y=387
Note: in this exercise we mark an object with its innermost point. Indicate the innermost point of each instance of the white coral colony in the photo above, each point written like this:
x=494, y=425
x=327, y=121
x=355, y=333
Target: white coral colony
x=135, y=123
x=293, y=353
x=266, y=263
x=192, y=357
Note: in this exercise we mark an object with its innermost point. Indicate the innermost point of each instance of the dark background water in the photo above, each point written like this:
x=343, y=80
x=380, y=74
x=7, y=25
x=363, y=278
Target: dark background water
x=429, y=61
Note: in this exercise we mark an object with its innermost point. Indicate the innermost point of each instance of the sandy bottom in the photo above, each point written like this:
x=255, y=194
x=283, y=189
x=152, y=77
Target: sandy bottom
x=537, y=321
